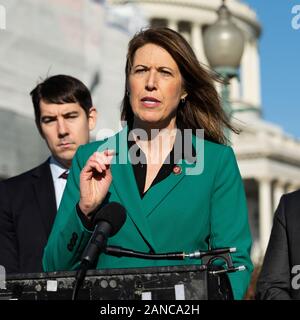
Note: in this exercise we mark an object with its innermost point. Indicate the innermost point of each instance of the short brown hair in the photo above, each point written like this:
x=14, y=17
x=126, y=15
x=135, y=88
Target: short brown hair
x=60, y=89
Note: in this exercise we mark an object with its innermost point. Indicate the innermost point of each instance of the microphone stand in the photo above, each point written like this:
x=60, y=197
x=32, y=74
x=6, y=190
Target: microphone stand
x=207, y=257
x=80, y=275
x=122, y=252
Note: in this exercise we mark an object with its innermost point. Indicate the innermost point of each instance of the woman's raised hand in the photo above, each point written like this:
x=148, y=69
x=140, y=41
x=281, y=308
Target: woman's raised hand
x=95, y=180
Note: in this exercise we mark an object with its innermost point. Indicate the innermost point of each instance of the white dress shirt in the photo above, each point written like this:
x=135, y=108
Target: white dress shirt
x=59, y=183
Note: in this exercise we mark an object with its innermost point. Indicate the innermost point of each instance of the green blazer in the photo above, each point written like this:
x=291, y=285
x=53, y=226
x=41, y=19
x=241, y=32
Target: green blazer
x=187, y=211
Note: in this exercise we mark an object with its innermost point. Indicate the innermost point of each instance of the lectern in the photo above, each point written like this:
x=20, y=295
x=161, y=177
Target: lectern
x=192, y=282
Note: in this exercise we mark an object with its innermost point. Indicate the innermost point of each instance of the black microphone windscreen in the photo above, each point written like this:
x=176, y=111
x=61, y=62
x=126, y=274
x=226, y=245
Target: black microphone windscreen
x=113, y=213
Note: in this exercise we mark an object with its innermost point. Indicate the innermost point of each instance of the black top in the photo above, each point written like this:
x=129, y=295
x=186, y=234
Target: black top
x=140, y=169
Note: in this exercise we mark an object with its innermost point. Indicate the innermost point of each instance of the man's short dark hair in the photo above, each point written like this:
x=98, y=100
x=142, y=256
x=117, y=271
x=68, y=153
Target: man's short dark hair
x=60, y=89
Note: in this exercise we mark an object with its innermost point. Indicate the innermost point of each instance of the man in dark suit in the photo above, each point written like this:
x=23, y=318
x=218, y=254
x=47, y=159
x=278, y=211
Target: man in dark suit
x=64, y=115
x=280, y=275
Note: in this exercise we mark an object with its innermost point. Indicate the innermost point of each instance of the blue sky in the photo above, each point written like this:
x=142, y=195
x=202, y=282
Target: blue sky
x=280, y=63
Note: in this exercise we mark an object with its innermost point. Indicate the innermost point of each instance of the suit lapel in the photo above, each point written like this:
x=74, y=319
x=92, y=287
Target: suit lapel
x=184, y=167
x=126, y=188
x=125, y=185
x=45, y=195
x=159, y=191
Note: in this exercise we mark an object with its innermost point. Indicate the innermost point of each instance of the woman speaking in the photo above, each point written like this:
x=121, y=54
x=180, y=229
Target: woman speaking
x=181, y=191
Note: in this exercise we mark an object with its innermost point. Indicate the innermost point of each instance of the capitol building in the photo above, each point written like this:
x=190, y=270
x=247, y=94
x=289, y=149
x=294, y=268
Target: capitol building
x=88, y=39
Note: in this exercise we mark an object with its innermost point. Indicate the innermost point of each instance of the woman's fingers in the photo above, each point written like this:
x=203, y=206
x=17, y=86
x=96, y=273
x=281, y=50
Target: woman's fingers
x=105, y=157
x=99, y=161
x=92, y=165
x=95, y=179
x=109, y=152
x=95, y=165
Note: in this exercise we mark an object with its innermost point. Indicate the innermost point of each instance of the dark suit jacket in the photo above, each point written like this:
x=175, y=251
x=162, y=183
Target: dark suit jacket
x=283, y=253
x=27, y=212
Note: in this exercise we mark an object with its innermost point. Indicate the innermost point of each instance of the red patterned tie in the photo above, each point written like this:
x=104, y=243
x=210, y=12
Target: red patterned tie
x=64, y=175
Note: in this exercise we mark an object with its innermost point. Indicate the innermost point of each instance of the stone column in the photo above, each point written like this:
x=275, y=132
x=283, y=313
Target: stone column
x=265, y=212
x=173, y=24
x=250, y=74
x=197, y=42
x=246, y=71
x=256, y=74
x=235, y=89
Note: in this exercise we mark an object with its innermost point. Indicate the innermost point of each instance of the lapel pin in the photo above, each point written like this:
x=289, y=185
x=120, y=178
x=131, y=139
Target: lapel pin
x=177, y=169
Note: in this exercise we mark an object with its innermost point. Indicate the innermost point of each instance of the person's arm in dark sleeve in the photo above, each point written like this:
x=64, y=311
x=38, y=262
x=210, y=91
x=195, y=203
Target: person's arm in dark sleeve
x=8, y=238
x=274, y=282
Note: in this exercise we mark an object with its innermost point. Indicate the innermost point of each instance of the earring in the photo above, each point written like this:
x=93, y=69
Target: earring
x=127, y=93
x=182, y=100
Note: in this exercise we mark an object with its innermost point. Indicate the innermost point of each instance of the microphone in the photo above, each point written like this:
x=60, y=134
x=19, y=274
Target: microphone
x=109, y=221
